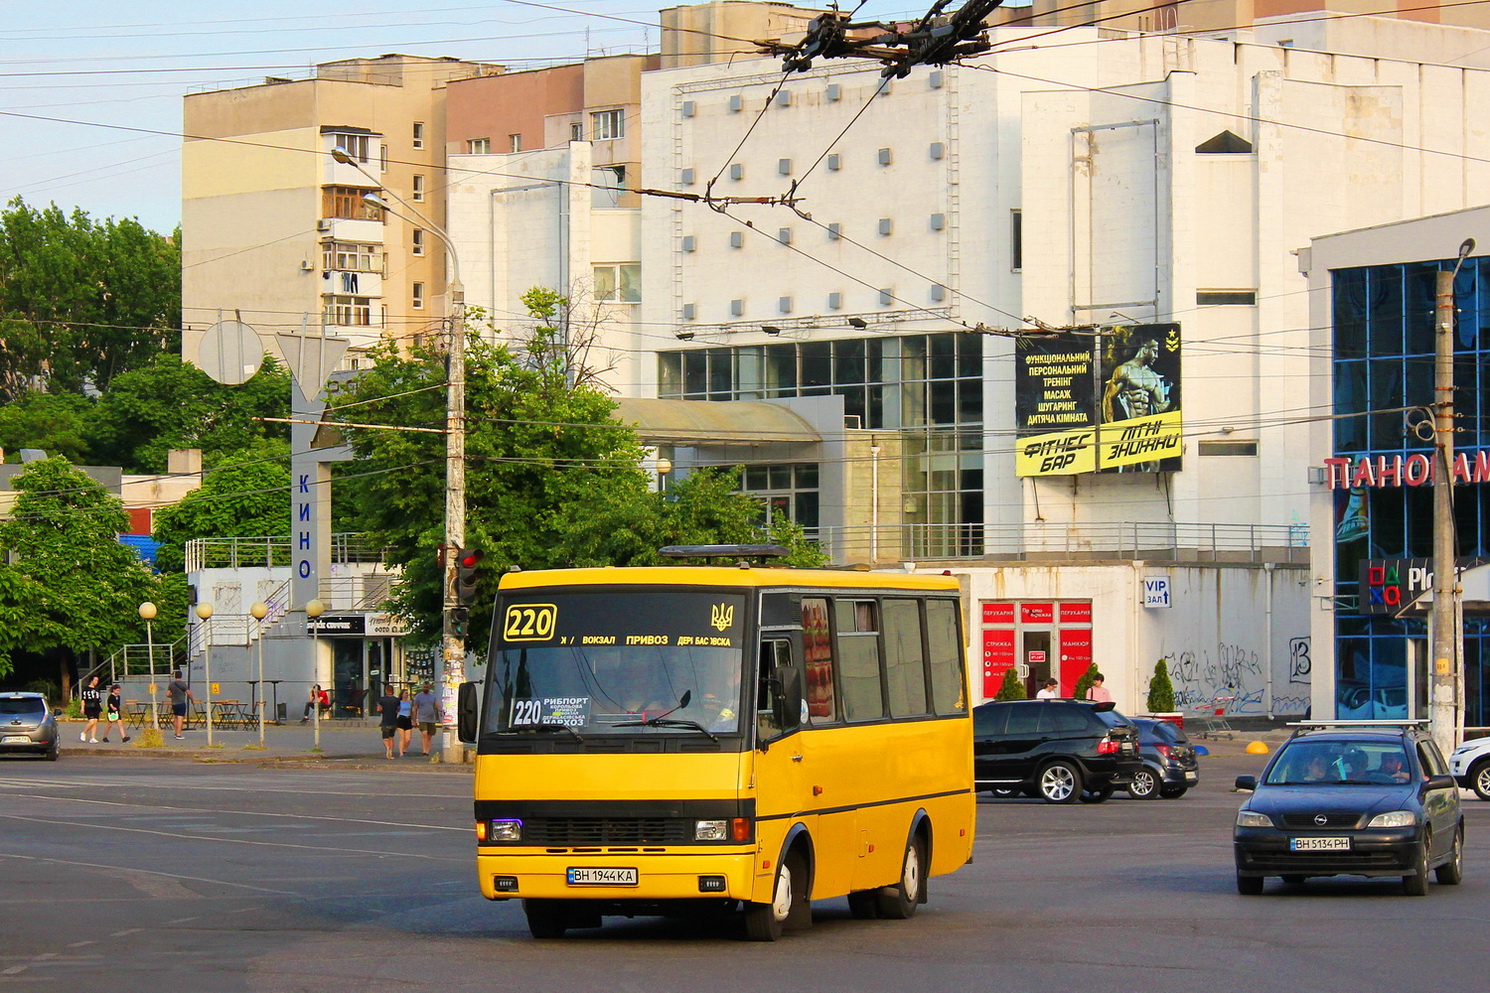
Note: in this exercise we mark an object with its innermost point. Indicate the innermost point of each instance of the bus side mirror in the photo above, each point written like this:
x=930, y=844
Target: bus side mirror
x=786, y=702
x=468, y=712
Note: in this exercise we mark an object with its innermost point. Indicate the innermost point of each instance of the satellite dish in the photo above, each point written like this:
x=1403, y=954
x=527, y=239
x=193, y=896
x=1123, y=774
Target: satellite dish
x=231, y=352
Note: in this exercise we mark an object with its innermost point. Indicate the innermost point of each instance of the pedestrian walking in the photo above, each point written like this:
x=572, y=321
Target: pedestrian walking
x=1051, y=690
x=179, y=693
x=388, y=725
x=1098, y=690
x=427, y=714
x=92, y=698
x=113, y=709
x=405, y=722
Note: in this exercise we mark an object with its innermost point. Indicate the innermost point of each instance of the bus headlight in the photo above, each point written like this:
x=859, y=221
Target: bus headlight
x=509, y=830
x=710, y=830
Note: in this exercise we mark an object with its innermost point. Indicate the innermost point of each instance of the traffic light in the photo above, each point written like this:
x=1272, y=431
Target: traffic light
x=465, y=574
x=460, y=618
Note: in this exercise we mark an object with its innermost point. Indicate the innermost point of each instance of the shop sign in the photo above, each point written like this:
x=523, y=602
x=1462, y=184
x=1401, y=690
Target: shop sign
x=1382, y=471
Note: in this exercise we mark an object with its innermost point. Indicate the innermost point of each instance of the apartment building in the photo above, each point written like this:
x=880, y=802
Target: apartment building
x=276, y=232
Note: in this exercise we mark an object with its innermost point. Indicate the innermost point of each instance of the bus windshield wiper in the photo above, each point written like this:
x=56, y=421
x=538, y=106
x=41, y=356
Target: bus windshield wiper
x=670, y=722
x=544, y=727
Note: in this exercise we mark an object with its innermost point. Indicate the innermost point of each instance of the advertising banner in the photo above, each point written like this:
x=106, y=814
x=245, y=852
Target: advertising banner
x=1140, y=409
x=1055, y=405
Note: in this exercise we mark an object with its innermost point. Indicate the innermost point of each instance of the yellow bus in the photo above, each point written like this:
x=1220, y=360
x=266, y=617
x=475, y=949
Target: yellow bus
x=667, y=739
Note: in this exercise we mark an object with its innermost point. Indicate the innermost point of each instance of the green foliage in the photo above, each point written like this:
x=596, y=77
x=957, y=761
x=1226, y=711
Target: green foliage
x=244, y=497
x=82, y=300
x=54, y=423
x=1161, y=690
x=1084, y=683
x=1012, y=688
x=168, y=404
x=70, y=584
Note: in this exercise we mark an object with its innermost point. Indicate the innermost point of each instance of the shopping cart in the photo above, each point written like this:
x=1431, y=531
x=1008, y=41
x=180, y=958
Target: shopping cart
x=1212, y=716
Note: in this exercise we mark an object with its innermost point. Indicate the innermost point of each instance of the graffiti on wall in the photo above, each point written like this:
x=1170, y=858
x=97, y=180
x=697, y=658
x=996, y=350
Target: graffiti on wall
x=1236, y=670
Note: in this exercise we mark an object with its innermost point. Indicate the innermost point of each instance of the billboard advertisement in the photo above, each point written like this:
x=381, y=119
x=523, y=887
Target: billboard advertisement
x=1098, y=402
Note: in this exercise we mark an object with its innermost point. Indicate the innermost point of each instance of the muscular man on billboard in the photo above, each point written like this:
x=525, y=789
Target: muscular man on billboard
x=1135, y=389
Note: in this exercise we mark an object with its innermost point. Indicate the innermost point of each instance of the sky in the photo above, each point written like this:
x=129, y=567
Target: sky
x=91, y=91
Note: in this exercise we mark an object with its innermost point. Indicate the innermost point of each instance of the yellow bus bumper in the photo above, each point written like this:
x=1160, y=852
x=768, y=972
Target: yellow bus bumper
x=660, y=876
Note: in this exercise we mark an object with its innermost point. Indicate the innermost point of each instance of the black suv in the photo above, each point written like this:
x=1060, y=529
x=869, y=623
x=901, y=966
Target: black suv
x=1059, y=750
x=1362, y=800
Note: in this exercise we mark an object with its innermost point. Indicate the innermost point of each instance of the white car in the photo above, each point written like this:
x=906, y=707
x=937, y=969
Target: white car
x=1470, y=765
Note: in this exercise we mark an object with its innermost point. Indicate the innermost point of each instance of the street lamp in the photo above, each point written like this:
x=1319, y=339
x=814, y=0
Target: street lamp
x=260, y=610
x=204, y=611
x=147, y=614
x=452, y=644
x=314, y=609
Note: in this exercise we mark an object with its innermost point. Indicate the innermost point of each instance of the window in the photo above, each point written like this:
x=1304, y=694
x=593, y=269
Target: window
x=345, y=257
x=346, y=202
x=905, y=670
x=1225, y=143
x=621, y=283
x=1016, y=240
x=817, y=650
x=418, y=297
x=418, y=241
x=479, y=146
x=349, y=311
x=514, y=143
x=576, y=132
x=784, y=491
x=606, y=124
x=383, y=158
x=1228, y=447
x=418, y=189
x=357, y=145
x=1225, y=298
x=858, y=659
x=418, y=134
x=776, y=654
x=944, y=646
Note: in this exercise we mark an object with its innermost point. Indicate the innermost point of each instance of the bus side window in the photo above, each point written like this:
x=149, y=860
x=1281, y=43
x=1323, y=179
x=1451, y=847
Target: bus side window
x=776, y=653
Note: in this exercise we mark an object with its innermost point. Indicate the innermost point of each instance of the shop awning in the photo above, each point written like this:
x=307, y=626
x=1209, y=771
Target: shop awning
x=725, y=422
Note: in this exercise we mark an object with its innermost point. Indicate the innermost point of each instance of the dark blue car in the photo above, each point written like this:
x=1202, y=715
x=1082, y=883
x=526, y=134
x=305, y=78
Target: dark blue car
x=1371, y=800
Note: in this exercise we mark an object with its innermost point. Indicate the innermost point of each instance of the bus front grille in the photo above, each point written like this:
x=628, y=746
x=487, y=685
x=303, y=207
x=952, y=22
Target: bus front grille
x=607, y=831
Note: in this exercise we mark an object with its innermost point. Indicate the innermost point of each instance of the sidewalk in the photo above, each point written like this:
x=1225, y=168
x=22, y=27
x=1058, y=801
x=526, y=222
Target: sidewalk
x=341, y=741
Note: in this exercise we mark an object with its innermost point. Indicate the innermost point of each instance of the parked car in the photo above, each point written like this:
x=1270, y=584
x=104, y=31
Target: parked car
x=1059, y=750
x=1470, y=766
x=27, y=725
x=1169, y=764
x=1364, y=801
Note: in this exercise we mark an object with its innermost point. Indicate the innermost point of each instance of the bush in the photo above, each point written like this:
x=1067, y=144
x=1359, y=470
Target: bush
x=1161, y=690
x=1085, y=682
x=1012, y=687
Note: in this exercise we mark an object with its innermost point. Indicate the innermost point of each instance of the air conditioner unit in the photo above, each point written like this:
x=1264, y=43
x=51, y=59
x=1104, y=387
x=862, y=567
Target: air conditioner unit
x=305, y=266
x=324, y=224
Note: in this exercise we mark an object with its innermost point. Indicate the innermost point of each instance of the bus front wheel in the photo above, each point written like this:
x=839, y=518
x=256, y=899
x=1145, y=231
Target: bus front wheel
x=546, y=918
x=766, y=921
x=899, y=901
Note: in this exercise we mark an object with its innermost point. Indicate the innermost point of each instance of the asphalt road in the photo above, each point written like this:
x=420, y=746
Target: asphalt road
x=128, y=874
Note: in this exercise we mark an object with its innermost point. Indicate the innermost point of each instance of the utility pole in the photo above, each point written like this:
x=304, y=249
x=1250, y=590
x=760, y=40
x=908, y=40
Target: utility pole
x=1444, y=620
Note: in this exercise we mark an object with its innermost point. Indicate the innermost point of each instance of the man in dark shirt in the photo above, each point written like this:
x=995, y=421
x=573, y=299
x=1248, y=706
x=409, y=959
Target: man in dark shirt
x=388, y=726
x=179, y=693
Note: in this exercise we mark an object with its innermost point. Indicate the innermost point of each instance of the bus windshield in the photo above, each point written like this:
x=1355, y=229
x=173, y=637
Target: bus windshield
x=621, y=662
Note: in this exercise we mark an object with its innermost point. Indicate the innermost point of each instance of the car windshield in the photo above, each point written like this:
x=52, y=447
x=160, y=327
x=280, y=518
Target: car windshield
x=618, y=663
x=25, y=706
x=1338, y=761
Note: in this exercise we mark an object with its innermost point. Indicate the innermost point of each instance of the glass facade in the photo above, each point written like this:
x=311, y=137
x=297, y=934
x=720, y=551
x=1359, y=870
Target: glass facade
x=1383, y=362
x=928, y=387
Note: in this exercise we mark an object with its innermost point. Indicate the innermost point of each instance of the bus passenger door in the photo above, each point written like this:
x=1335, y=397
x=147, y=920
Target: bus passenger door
x=782, y=791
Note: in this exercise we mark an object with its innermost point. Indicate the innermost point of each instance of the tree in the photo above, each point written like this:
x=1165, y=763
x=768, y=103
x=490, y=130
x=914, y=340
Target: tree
x=244, y=497
x=54, y=423
x=80, y=300
x=168, y=404
x=70, y=587
x=1012, y=688
x=1161, y=690
x=1084, y=683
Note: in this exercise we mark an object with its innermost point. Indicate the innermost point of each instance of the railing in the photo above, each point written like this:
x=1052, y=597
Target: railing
x=1127, y=539
x=270, y=551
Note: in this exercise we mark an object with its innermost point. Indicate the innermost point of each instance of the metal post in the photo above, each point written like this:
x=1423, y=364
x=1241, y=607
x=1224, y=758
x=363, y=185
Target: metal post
x=313, y=610
x=204, y=611
x=260, y=610
x=147, y=614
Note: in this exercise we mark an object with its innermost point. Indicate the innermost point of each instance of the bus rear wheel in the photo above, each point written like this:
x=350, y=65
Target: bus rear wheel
x=766, y=921
x=899, y=901
x=546, y=918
